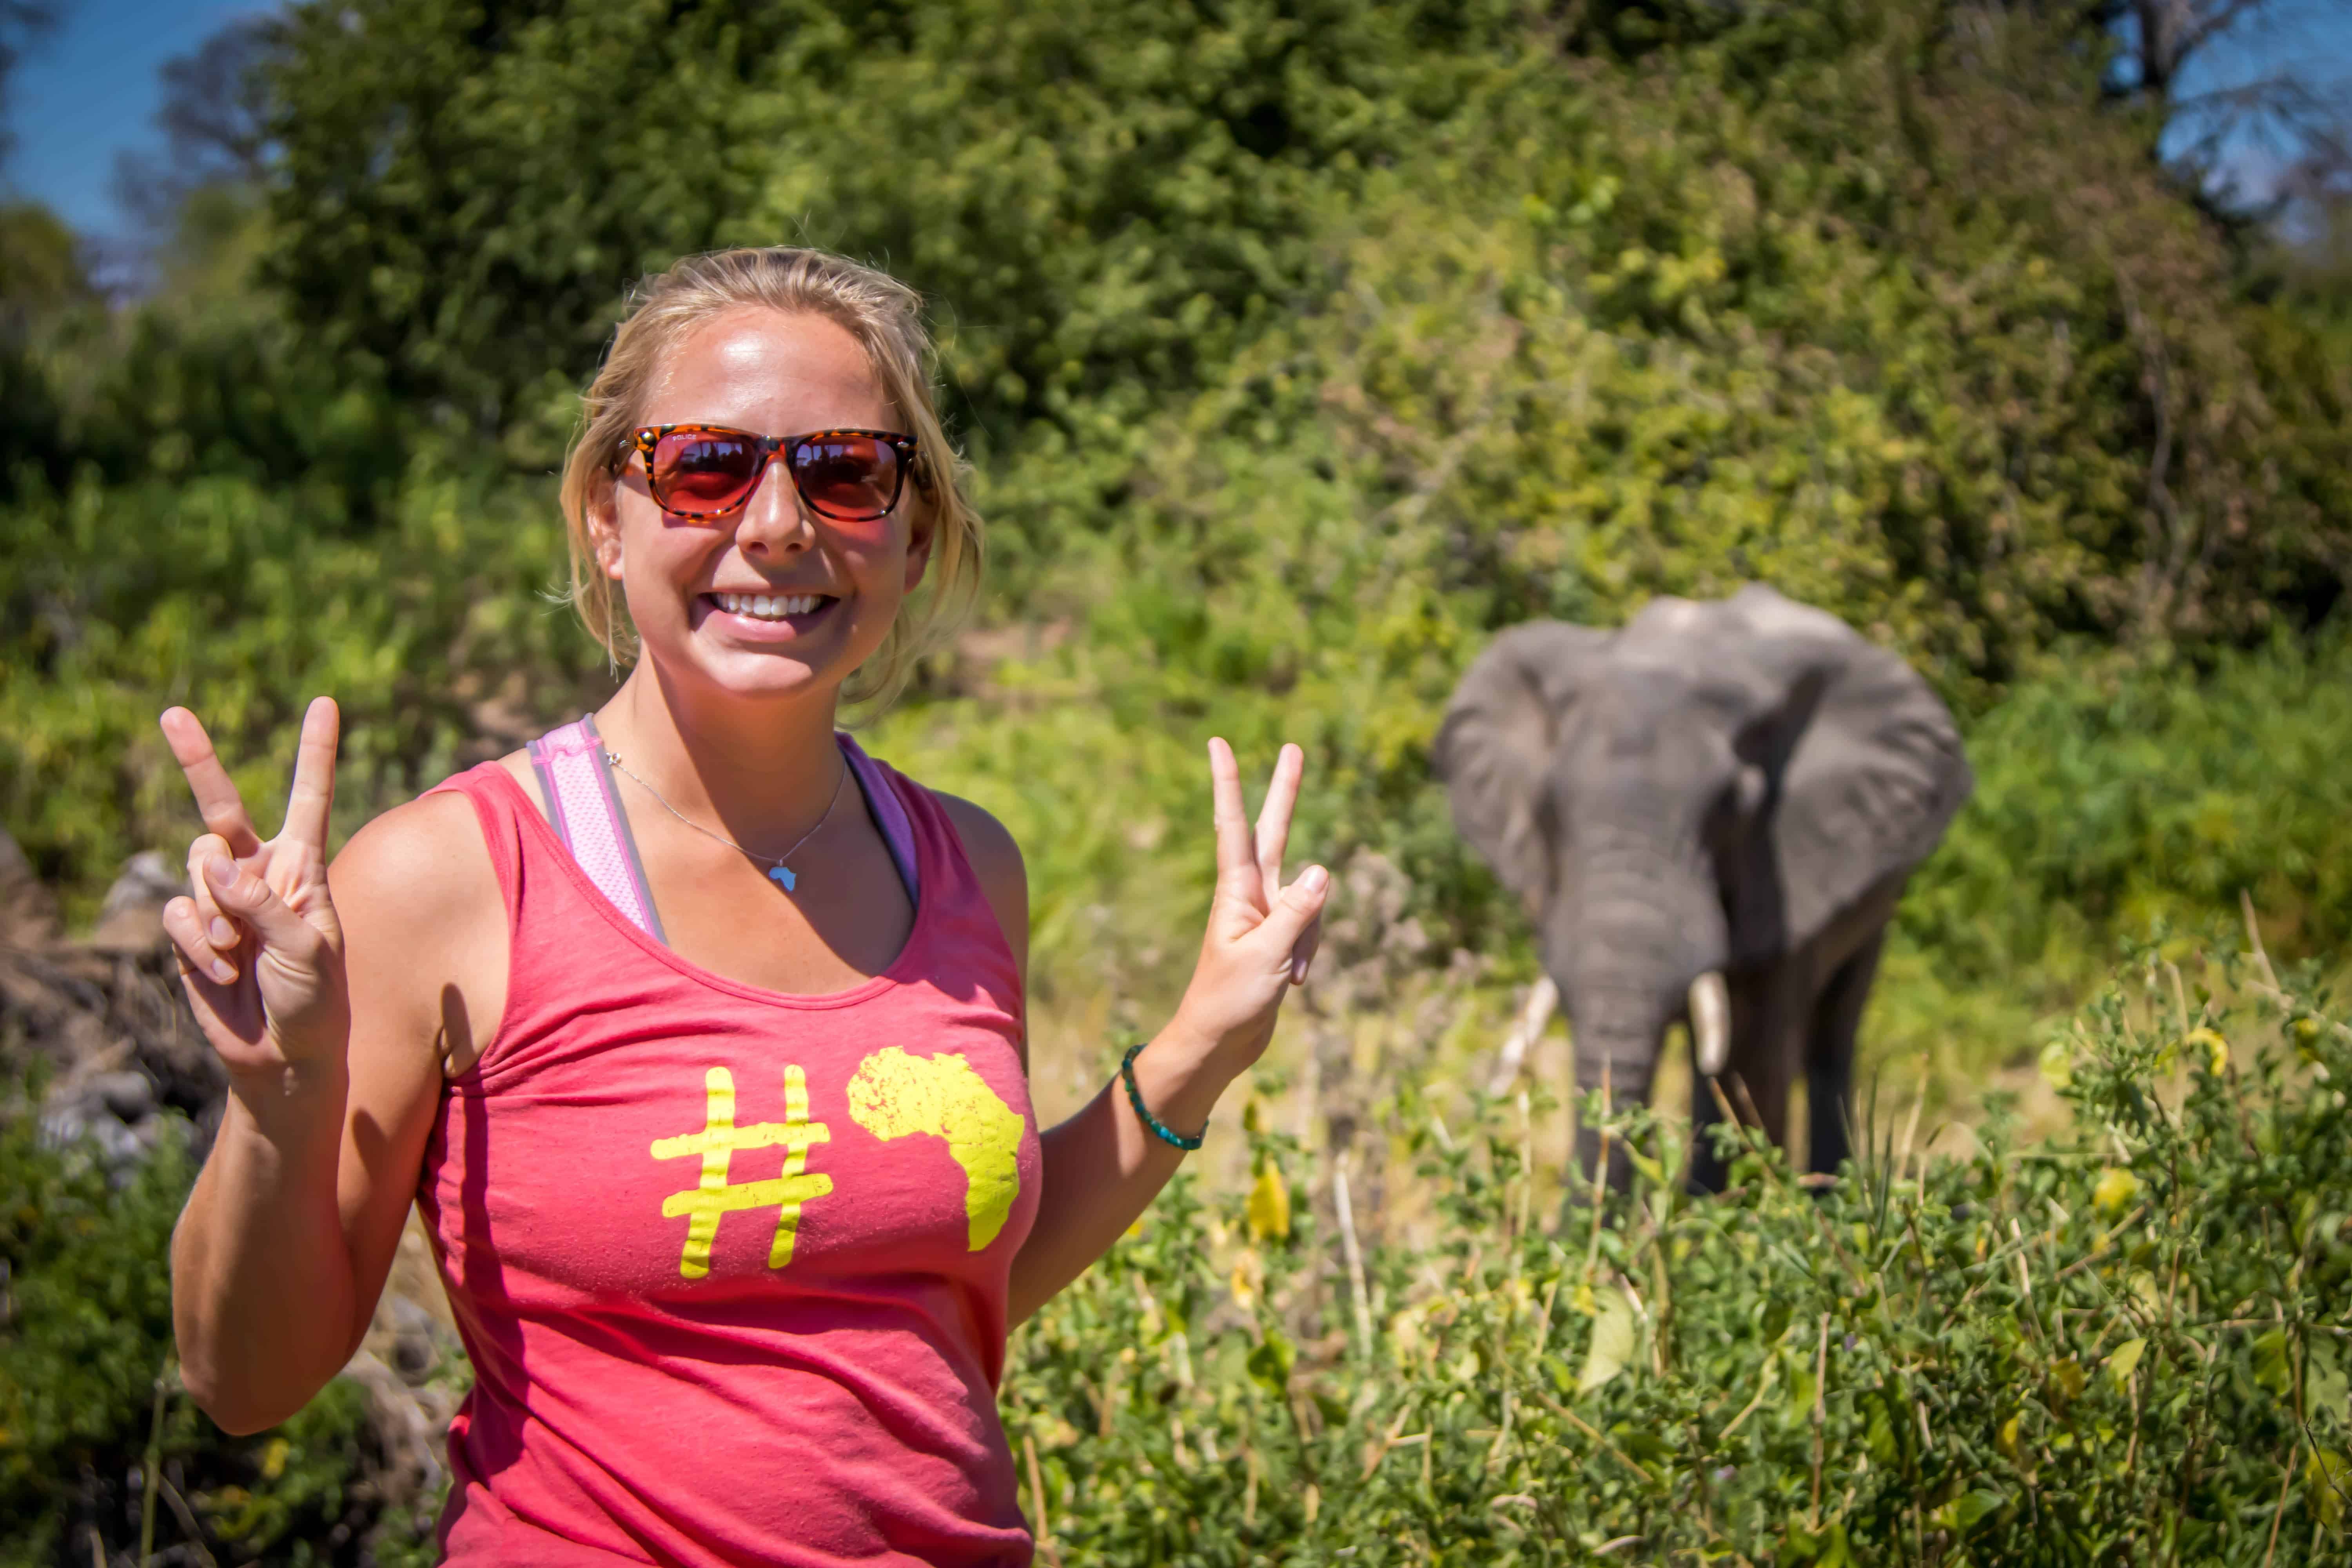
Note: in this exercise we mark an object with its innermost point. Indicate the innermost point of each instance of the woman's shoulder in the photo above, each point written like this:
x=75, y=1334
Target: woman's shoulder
x=988, y=844
x=422, y=863
x=424, y=920
x=996, y=865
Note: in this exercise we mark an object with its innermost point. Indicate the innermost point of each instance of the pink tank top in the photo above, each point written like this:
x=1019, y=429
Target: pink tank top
x=731, y=1265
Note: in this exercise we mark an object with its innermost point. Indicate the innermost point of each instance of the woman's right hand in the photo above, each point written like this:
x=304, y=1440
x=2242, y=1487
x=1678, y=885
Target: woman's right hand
x=260, y=951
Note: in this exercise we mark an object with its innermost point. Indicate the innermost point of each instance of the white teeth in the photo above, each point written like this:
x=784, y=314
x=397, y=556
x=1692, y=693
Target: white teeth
x=768, y=607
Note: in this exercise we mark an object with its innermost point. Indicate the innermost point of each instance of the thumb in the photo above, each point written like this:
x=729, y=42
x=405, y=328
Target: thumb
x=245, y=896
x=1293, y=913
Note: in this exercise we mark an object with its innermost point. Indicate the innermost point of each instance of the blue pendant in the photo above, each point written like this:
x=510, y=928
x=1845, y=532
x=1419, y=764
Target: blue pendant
x=782, y=875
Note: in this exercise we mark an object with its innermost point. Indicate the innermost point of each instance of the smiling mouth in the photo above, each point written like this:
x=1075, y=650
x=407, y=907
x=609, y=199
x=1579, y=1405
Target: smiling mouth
x=769, y=607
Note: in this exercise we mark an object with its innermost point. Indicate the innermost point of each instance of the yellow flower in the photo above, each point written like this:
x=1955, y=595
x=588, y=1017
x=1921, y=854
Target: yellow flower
x=2217, y=1049
x=1248, y=1270
x=2117, y=1189
x=1269, y=1206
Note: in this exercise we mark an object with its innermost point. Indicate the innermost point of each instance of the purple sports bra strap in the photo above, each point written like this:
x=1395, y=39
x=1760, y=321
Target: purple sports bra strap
x=889, y=811
x=585, y=812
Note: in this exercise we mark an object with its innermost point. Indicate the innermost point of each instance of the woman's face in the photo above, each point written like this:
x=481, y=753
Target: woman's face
x=691, y=586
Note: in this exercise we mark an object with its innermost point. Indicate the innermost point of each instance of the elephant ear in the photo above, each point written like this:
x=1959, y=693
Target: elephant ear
x=1497, y=740
x=1876, y=772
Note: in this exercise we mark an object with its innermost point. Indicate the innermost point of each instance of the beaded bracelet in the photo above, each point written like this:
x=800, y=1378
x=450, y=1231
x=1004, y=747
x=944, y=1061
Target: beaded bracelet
x=1160, y=1129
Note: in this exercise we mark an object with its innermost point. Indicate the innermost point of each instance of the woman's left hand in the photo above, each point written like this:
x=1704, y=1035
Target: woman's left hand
x=1261, y=934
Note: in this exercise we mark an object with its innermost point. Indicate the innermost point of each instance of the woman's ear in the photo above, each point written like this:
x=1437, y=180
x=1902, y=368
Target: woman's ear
x=925, y=528
x=603, y=522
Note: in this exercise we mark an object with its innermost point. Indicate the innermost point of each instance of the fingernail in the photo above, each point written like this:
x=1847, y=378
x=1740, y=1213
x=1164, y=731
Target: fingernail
x=221, y=871
x=223, y=933
x=223, y=971
x=1314, y=879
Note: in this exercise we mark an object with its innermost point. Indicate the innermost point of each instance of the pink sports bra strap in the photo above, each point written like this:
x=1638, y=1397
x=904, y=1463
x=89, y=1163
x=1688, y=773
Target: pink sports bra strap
x=585, y=812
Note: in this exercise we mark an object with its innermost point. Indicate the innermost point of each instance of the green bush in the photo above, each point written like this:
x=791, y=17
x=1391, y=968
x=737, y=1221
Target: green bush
x=2127, y=1345
x=90, y=1404
x=2106, y=799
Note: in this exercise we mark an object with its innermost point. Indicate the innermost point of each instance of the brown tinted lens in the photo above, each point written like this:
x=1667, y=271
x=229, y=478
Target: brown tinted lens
x=853, y=478
x=703, y=471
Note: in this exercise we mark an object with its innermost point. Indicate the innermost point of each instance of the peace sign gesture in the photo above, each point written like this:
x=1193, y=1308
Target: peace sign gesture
x=260, y=951
x=1261, y=934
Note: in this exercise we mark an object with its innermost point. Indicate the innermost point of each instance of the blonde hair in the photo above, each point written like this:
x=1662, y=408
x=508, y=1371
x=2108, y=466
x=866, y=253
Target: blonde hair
x=885, y=316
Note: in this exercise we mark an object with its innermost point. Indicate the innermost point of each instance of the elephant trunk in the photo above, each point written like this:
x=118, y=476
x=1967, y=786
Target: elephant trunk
x=1617, y=1034
x=1629, y=965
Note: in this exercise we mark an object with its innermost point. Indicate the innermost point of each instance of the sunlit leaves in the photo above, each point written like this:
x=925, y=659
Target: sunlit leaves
x=1964, y=1408
x=1611, y=1349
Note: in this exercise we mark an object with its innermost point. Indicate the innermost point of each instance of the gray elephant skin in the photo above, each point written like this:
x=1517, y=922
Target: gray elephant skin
x=1710, y=815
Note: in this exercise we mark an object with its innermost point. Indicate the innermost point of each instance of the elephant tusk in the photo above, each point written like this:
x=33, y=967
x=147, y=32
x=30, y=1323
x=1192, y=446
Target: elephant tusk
x=1710, y=1020
x=1528, y=1029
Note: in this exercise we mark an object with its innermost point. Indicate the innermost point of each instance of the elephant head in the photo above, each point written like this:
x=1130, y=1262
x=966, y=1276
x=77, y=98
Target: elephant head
x=1703, y=793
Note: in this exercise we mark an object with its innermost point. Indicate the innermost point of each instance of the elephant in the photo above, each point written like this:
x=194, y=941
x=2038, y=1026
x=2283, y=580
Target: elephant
x=1710, y=815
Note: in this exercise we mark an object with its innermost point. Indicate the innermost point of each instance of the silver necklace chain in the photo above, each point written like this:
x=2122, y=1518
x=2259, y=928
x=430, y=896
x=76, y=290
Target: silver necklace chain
x=839, y=779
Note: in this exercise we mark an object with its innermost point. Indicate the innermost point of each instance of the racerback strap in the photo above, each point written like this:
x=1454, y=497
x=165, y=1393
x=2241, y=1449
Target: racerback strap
x=585, y=812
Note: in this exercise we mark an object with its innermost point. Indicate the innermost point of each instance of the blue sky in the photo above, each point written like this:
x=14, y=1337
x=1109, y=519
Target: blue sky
x=2312, y=38
x=90, y=90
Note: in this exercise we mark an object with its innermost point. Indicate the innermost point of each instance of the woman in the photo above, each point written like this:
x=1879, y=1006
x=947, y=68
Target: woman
x=696, y=1035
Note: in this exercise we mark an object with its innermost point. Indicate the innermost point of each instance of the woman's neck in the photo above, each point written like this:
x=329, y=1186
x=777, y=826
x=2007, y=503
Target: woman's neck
x=759, y=772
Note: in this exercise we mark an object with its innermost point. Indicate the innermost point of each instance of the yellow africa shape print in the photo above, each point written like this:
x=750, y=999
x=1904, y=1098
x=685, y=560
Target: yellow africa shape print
x=714, y=1195
x=895, y=1094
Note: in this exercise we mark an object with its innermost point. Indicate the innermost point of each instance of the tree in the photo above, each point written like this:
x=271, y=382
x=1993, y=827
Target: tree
x=462, y=192
x=2279, y=109
x=20, y=22
x=216, y=121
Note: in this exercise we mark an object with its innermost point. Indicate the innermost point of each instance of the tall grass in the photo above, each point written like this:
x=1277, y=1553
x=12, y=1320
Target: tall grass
x=2127, y=1343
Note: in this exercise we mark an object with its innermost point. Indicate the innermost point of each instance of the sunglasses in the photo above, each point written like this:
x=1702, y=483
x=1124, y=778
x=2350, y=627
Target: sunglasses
x=703, y=471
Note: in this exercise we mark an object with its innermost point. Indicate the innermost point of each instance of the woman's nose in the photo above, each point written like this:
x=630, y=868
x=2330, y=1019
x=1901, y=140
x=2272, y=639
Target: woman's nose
x=774, y=518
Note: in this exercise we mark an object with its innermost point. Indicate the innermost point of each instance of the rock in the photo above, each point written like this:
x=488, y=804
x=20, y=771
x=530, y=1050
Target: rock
x=80, y=1115
x=132, y=918
x=127, y=1096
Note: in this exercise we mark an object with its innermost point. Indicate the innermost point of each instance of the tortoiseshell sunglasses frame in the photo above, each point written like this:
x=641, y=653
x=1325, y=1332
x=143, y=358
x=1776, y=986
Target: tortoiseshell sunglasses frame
x=643, y=442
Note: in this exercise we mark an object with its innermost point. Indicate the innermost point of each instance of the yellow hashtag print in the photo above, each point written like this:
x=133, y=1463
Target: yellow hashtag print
x=717, y=1143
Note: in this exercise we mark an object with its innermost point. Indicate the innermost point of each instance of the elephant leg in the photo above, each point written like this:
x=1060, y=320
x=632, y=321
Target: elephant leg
x=1829, y=1056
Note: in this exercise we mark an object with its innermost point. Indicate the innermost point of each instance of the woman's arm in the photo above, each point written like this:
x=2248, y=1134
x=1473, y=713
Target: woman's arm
x=325, y=1010
x=1103, y=1166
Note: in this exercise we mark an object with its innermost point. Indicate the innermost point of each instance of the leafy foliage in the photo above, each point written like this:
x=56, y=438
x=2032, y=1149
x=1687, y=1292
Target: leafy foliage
x=466, y=188
x=88, y=1401
x=2127, y=1343
x=1302, y=350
